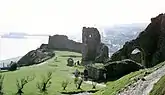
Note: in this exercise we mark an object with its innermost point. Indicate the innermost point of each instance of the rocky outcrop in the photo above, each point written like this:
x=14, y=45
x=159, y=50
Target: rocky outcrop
x=61, y=42
x=102, y=53
x=151, y=43
x=120, y=68
x=93, y=49
x=96, y=71
x=113, y=69
x=36, y=56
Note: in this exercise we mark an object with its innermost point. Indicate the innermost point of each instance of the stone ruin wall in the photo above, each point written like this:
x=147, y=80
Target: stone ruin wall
x=61, y=42
x=93, y=50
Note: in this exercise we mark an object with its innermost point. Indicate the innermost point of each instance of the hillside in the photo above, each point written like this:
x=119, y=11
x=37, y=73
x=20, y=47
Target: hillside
x=135, y=83
x=150, y=42
x=115, y=36
x=61, y=72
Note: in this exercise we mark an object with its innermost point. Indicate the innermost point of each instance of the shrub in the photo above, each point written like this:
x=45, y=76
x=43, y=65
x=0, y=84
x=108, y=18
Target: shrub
x=13, y=67
x=45, y=83
x=70, y=62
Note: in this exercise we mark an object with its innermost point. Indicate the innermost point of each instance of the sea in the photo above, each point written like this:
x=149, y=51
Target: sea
x=15, y=48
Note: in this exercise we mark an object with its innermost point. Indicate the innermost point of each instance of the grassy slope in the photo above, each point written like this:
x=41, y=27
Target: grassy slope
x=113, y=87
x=60, y=72
x=159, y=87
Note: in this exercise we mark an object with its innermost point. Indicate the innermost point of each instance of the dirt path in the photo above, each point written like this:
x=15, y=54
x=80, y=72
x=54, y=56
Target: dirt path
x=143, y=87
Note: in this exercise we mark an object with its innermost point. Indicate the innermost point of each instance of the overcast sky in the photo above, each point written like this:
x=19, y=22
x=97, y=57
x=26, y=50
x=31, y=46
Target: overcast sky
x=69, y=16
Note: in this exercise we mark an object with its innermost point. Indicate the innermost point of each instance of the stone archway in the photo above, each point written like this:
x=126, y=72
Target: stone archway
x=139, y=53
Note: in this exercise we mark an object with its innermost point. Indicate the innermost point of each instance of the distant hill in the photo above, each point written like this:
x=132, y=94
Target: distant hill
x=117, y=35
x=14, y=35
x=7, y=61
x=19, y=35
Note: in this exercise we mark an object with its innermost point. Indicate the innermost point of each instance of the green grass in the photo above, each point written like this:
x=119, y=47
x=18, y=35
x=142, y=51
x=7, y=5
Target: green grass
x=60, y=71
x=159, y=87
x=113, y=87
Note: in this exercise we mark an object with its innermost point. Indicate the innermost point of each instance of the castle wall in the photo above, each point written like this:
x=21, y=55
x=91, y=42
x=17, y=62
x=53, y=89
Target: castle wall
x=61, y=42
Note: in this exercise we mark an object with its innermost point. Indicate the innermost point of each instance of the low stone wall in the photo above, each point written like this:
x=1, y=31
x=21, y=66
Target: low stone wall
x=61, y=42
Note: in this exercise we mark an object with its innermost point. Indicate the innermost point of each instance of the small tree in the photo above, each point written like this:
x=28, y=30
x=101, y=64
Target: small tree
x=65, y=84
x=78, y=82
x=22, y=82
x=94, y=85
x=45, y=83
x=1, y=84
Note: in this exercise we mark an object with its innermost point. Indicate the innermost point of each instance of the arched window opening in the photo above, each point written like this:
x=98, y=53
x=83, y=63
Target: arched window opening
x=137, y=55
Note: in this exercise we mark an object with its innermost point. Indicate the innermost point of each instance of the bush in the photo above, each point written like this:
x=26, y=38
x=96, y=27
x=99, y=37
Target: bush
x=70, y=62
x=45, y=83
x=13, y=67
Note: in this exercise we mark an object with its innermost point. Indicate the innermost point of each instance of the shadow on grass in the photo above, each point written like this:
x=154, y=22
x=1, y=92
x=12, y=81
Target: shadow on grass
x=64, y=70
x=106, y=80
x=57, y=61
x=78, y=91
x=3, y=71
x=53, y=65
x=75, y=56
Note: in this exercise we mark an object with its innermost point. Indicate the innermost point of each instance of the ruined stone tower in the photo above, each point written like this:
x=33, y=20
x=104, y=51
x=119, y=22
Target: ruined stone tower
x=93, y=49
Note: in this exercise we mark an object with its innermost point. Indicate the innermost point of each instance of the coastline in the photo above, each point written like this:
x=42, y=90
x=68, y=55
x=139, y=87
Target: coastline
x=7, y=61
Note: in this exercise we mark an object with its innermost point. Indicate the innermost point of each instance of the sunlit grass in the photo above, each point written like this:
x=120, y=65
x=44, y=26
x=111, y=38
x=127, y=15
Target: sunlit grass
x=60, y=71
x=159, y=87
x=113, y=87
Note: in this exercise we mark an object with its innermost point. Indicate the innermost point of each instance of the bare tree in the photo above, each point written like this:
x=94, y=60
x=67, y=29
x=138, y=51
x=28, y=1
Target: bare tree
x=1, y=84
x=94, y=85
x=45, y=83
x=78, y=82
x=65, y=84
x=22, y=82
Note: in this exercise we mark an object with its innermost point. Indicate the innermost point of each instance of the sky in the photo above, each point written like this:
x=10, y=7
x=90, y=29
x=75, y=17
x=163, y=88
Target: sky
x=69, y=16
